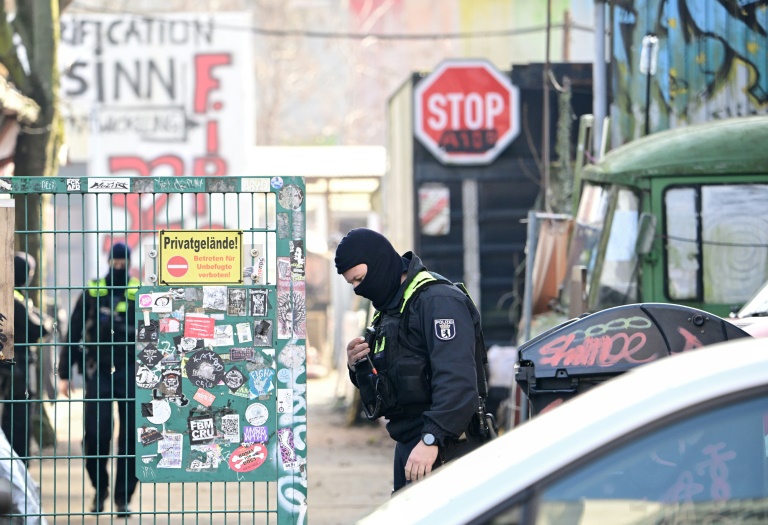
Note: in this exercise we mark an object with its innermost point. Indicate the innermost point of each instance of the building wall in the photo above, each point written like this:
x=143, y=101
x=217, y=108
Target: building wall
x=711, y=64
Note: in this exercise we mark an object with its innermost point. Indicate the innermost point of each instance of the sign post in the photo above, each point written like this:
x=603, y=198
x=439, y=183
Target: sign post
x=466, y=112
x=7, y=228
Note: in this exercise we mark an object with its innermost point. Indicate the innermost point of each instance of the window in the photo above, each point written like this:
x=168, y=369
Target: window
x=717, y=242
x=617, y=283
x=588, y=228
x=710, y=468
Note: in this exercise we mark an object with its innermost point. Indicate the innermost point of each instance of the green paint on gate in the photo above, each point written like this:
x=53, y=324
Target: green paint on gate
x=202, y=457
x=208, y=384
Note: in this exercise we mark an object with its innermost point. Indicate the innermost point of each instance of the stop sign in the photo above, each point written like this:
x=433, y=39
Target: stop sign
x=466, y=112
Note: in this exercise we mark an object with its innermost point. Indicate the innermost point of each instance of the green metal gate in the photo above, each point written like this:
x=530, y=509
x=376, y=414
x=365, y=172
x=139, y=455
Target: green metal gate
x=217, y=374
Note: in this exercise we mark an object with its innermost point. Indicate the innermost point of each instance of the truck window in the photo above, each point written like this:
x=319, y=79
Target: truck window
x=618, y=276
x=717, y=242
x=587, y=231
x=617, y=279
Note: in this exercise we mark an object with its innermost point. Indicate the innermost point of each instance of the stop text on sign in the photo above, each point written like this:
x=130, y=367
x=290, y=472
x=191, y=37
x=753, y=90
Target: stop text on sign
x=200, y=257
x=466, y=112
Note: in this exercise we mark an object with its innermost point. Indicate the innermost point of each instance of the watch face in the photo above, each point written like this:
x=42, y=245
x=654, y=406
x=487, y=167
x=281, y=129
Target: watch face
x=428, y=439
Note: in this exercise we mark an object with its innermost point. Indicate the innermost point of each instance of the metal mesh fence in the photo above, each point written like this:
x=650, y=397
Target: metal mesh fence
x=80, y=463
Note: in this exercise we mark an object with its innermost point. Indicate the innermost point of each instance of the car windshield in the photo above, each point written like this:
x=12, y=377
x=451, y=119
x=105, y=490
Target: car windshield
x=758, y=305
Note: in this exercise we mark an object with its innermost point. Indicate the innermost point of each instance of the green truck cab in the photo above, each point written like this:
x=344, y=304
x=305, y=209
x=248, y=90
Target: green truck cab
x=680, y=216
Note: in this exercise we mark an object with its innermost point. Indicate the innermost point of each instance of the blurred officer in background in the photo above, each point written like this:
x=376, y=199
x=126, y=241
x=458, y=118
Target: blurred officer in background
x=17, y=380
x=103, y=320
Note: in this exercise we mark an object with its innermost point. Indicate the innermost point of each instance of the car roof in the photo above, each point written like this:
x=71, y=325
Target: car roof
x=461, y=490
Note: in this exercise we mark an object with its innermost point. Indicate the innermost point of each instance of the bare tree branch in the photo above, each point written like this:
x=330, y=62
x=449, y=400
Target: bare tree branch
x=8, y=54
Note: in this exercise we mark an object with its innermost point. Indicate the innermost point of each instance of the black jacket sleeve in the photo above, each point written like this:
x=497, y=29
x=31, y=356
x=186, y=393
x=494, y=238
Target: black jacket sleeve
x=449, y=335
x=71, y=354
x=28, y=325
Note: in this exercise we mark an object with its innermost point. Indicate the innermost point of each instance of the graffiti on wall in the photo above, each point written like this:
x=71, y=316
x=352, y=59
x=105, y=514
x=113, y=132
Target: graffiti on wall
x=711, y=63
x=164, y=96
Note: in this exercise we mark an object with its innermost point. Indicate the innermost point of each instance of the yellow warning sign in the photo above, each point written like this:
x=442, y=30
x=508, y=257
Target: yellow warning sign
x=201, y=257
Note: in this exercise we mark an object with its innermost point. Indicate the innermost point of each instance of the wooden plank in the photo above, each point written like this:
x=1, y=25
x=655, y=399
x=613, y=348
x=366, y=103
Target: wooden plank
x=7, y=227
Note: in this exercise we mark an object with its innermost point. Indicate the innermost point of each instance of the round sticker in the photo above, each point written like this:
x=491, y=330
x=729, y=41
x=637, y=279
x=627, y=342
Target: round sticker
x=205, y=368
x=161, y=412
x=292, y=356
x=276, y=182
x=256, y=414
x=145, y=300
x=290, y=197
x=248, y=457
x=284, y=375
x=234, y=379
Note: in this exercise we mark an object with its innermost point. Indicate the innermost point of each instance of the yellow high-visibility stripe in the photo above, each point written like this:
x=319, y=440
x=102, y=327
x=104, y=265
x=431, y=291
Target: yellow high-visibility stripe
x=97, y=288
x=418, y=281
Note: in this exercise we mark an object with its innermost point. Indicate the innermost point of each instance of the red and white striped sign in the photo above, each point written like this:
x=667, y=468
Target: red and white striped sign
x=434, y=210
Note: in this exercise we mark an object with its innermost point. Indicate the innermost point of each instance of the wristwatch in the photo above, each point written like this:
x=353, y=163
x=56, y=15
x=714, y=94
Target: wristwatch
x=428, y=439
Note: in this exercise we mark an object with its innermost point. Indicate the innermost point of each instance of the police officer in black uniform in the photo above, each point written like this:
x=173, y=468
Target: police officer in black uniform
x=421, y=369
x=103, y=319
x=17, y=382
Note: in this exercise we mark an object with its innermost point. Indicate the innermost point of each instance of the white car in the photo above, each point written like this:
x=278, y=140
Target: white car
x=681, y=440
x=753, y=316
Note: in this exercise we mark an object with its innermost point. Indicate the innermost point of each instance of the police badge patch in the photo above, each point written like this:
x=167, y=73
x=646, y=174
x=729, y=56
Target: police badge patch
x=445, y=329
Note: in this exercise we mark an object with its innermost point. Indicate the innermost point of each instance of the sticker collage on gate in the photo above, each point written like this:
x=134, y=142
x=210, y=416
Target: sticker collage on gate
x=208, y=388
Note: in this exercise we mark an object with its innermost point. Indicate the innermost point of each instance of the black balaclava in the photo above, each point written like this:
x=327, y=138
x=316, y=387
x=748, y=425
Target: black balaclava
x=385, y=266
x=119, y=277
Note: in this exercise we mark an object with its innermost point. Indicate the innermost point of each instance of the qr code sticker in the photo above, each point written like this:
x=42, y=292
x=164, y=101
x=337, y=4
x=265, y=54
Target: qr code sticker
x=230, y=426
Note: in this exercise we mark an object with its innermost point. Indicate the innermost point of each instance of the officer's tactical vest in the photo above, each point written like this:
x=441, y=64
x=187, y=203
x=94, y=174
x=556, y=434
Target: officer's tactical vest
x=399, y=383
x=111, y=309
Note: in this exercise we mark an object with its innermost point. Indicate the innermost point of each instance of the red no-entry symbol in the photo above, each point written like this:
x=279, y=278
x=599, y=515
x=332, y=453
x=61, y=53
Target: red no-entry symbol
x=177, y=266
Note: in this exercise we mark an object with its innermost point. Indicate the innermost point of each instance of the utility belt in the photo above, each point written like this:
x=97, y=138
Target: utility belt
x=379, y=397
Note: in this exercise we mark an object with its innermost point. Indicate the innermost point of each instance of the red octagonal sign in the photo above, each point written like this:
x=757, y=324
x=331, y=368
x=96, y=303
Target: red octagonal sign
x=466, y=112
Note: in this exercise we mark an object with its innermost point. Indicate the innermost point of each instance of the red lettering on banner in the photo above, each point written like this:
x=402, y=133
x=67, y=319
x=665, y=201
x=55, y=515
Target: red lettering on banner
x=139, y=218
x=212, y=137
x=205, y=82
x=145, y=168
x=209, y=167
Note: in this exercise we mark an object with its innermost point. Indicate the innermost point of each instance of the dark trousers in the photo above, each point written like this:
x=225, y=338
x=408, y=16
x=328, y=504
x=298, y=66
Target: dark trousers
x=451, y=450
x=100, y=389
x=17, y=416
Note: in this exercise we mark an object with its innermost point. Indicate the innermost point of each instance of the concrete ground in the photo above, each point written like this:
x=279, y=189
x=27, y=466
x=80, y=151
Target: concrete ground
x=349, y=467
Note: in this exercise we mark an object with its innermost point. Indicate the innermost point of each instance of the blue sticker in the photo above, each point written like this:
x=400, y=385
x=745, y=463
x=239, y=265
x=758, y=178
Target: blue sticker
x=276, y=182
x=260, y=382
x=284, y=375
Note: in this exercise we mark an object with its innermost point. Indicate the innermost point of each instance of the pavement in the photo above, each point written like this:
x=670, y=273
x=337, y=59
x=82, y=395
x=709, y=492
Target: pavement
x=349, y=468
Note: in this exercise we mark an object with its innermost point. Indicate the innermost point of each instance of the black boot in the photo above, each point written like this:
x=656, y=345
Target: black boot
x=98, y=503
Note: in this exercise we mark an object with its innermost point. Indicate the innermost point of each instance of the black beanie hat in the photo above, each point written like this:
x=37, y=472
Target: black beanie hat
x=385, y=266
x=119, y=251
